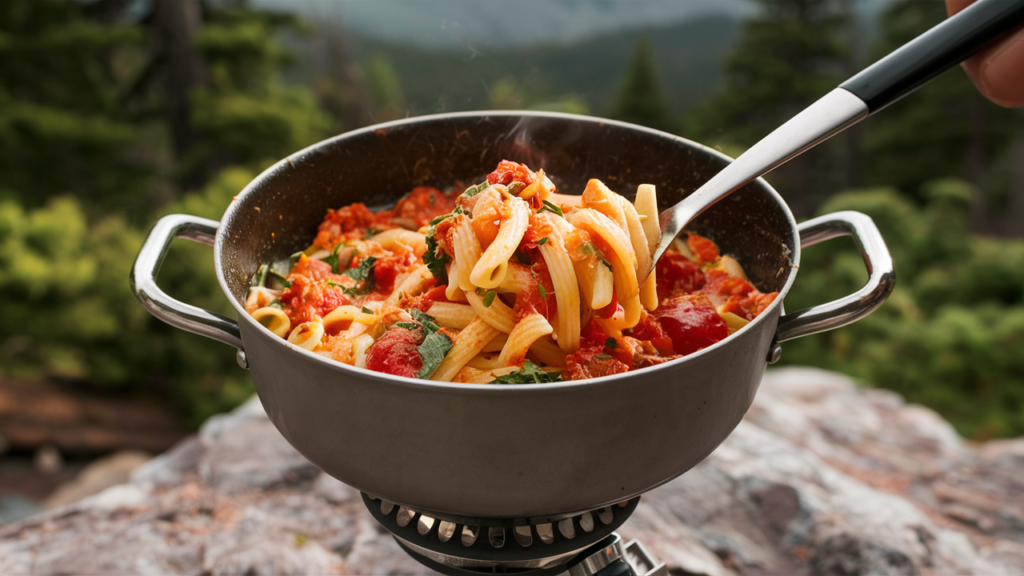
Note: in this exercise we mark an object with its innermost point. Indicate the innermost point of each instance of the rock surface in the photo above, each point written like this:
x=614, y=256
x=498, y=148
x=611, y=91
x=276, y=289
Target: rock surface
x=821, y=478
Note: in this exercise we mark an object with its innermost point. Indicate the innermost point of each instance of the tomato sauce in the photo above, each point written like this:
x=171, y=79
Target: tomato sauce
x=693, y=292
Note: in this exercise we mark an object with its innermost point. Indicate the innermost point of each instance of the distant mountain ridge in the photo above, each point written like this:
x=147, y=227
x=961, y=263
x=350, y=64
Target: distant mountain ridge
x=461, y=25
x=687, y=54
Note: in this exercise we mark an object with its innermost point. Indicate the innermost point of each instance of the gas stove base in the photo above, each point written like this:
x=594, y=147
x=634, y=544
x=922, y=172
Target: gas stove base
x=609, y=557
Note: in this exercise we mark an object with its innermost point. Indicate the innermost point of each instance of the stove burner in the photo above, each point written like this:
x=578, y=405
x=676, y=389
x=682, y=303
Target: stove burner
x=461, y=545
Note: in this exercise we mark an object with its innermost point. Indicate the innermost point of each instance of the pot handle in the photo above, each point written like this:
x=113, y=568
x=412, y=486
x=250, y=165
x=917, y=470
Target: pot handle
x=157, y=302
x=849, y=309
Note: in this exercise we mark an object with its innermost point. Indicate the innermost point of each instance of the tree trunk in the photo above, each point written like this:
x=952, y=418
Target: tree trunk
x=341, y=88
x=974, y=163
x=178, y=22
x=1015, y=208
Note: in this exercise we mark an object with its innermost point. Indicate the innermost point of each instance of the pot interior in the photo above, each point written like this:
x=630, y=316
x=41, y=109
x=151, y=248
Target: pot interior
x=278, y=213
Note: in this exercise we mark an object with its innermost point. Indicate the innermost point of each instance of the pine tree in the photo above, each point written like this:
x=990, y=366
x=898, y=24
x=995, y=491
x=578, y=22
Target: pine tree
x=640, y=98
x=788, y=56
x=944, y=129
x=63, y=66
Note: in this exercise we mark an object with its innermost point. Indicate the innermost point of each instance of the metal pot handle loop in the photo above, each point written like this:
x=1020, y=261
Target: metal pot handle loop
x=157, y=302
x=849, y=309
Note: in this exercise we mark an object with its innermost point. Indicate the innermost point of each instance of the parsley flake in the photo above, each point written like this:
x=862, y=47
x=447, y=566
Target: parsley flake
x=542, y=241
x=551, y=207
x=611, y=343
x=489, y=298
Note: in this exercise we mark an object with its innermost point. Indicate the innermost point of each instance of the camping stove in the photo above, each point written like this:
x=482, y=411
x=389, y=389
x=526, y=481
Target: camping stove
x=582, y=544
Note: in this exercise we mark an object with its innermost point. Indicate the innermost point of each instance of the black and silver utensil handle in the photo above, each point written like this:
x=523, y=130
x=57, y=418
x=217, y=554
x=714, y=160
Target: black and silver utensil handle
x=932, y=53
x=879, y=85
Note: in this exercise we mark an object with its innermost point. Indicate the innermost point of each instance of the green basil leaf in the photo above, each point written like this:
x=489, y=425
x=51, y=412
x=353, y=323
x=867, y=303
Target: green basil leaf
x=530, y=374
x=433, y=350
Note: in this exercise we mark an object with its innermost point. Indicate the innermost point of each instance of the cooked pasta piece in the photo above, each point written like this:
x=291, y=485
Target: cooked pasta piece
x=525, y=333
x=465, y=346
x=490, y=269
x=274, y=319
x=567, y=290
x=467, y=252
x=647, y=205
x=307, y=335
x=501, y=272
x=496, y=313
x=451, y=315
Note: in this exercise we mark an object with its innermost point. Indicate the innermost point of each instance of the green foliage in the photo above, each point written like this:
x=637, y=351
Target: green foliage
x=789, y=55
x=385, y=88
x=640, y=99
x=246, y=115
x=62, y=129
x=945, y=129
x=950, y=335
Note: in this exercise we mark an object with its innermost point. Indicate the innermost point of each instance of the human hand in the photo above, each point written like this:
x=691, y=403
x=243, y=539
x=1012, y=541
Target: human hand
x=997, y=71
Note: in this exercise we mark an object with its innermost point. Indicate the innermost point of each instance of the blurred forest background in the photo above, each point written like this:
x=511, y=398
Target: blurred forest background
x=115, y=112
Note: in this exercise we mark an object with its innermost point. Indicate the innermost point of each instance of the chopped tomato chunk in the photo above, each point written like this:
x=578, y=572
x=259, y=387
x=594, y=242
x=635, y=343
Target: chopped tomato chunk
x=705, y=250
x=691, y=322
x=677, y=275
x=508, y=172
x=395, y=353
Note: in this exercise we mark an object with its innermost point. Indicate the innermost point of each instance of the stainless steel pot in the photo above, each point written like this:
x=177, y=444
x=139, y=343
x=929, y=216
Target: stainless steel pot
x=505, y=451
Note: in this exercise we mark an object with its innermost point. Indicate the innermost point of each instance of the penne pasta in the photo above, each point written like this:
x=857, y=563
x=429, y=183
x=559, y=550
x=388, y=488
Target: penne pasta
x=567, y=291
x=490, y=269
x=465, y=346
x=647, y=206
x=505, y=282
x=451, y=315
x=525, y=333
x=497, y=314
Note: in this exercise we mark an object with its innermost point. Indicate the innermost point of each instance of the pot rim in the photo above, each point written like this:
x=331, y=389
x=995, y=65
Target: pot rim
x=403, y=381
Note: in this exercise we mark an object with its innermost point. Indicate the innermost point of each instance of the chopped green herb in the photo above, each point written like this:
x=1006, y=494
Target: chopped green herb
x=543, y=292
x=260, y=279
x=367, y=310
x=603, y=357
x=275, y=304
x=587, y=248
x=333, y=258
x=425, y=319
x=335, y=284
x=363, y=271
x=438, y=219
x=530, y=374
x=542, y=241
x=515, y=187
x=551, y=207
x=434, y=347
x=433, y=350
x=474, y=190
x=611, y=343
x=434, y=257
x=370, y=232
x=489, y=298
x=278, y=280
x=407, y=325
x=295, y=257
x=607, y=263
x=523, y=258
